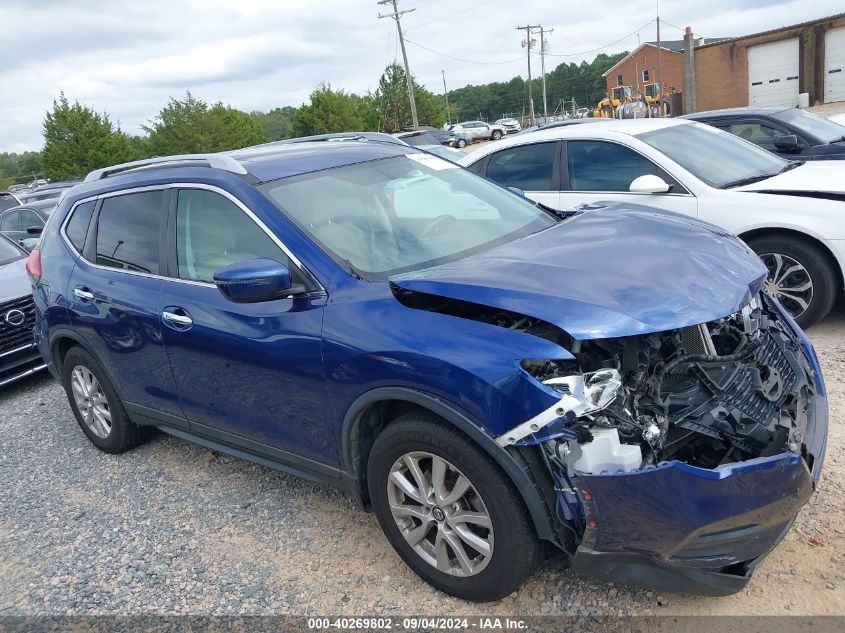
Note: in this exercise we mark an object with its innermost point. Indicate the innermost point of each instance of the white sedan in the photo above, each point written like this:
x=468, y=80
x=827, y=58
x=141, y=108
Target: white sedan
x=791, y=214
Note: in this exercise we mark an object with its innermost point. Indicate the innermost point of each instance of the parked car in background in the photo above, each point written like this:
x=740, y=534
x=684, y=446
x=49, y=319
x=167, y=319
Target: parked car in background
x=479, y=130
x=510, y=124
x=497, y=372
x=449, y=153
x=26, y=221
x=791, y=214
x=18, y=355
x=418, y=137
x=454, y=137
x=8, y=200
x=582, y=113
x=558, y=123
x=788, y=132
x=49, y=191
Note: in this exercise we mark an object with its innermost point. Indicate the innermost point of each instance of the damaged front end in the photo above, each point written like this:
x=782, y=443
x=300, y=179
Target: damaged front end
x=681, y=458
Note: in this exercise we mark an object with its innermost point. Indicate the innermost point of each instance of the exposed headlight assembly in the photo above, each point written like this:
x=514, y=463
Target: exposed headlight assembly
x=581, y=394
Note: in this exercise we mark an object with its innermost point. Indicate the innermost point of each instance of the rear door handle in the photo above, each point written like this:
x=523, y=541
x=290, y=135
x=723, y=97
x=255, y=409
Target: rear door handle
x=181, y=321
x=84, y=293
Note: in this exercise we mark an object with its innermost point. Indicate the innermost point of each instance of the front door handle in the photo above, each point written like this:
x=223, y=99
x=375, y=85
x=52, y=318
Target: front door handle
x=84, y=293
x=181, y=321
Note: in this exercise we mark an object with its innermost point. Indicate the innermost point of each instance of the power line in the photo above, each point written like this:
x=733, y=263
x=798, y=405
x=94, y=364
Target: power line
x=527, y=43
x=460, y=59
x=595, y=50
x=450, y=15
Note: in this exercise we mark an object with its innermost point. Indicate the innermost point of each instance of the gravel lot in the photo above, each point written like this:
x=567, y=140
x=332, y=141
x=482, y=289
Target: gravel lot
x=172, y=528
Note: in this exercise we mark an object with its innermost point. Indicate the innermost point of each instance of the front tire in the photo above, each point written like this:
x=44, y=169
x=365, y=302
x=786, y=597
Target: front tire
x=96, y=405
x=800, y=276
x=449, y=511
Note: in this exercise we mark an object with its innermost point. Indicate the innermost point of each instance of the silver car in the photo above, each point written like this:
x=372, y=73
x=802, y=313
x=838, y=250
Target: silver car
x=510, y=124
x=479, y=130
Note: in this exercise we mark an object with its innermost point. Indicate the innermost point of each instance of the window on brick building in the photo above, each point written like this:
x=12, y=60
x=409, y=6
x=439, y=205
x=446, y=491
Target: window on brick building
x=645, y=76
x=618, y=80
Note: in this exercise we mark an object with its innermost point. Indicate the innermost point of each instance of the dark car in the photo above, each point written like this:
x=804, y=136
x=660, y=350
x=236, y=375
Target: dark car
x=560, y=123
x=26, y=221
x=452, y=138
x=788, y=132
x=484, y=373
x=18, y=355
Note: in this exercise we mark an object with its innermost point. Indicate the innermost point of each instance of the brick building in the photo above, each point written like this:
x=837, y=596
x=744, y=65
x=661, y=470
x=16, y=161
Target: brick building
x=770, y=68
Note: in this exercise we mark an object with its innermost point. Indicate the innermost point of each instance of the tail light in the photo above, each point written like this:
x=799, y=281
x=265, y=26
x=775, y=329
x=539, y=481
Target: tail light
x=33, y=264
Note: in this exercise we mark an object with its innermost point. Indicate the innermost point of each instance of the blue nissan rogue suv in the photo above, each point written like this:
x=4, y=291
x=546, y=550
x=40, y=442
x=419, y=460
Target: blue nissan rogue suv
x=483, y=373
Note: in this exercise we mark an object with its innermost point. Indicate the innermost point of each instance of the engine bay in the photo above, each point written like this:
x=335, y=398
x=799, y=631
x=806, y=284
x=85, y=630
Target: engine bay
x=726, y=391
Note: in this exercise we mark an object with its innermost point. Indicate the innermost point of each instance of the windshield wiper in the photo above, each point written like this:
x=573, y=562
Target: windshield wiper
x=792, y=164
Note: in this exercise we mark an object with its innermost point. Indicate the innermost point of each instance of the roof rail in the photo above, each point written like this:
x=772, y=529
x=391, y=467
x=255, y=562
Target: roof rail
x=218, y=161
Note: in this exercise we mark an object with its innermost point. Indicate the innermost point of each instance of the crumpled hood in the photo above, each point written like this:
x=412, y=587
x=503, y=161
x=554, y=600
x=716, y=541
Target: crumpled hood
x=14, y=282
x=823, y=176
x=618, y=270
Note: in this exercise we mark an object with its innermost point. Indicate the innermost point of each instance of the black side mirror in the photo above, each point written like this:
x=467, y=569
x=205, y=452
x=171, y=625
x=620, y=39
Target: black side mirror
x=256, y=280
x=35, y=230
x=788, y=143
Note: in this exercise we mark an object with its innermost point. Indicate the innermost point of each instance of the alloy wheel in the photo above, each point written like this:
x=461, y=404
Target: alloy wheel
x=440, y=514
x=91, y=401
x=789, y=281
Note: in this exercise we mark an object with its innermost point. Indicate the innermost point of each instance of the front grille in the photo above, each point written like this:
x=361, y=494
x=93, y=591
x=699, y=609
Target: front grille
x=14, y=336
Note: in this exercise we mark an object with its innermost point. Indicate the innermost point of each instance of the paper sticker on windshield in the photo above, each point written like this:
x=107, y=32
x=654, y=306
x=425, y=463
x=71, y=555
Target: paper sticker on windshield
x=432, y=162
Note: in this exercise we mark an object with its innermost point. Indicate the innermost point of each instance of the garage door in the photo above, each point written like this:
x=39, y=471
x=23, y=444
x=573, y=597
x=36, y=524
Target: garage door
x=834, y=65
x=773, y=73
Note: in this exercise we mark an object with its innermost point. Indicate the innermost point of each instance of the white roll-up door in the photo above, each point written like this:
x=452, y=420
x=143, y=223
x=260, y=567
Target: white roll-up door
x=834, y=65
x=773, y=73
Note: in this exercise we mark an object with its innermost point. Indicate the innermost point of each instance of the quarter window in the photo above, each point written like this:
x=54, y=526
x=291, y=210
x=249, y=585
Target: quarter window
x=10, y=221
x=213, y=232
x=600, y=166
x=527, y=167
x=30, y=218
x=128, y=231
x=77, y=226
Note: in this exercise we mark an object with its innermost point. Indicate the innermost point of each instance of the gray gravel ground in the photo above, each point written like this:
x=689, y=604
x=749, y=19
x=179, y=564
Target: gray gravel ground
x=172, y=528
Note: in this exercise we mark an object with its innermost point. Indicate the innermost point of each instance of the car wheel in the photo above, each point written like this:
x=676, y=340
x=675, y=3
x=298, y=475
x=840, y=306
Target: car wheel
x=799, y=276
x=497, y=134
x=462, y=143
x=96, y=405
x=449, y=511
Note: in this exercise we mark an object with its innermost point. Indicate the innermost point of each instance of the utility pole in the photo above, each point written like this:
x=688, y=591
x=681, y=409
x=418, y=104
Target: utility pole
x=543, y=51
x=659, y=77
x=446, y=93
x=396, y=15
x=526, y=44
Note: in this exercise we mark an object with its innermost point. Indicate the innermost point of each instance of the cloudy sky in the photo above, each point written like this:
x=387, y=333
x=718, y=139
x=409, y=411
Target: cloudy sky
x=127, y=58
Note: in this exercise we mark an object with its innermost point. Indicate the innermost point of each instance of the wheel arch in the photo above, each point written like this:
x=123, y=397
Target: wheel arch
x=823, y=248
x=61, y=341
x=374, y=410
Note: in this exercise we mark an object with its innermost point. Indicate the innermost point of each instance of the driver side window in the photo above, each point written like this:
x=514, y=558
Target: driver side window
x=213, y=232
x=601, y=166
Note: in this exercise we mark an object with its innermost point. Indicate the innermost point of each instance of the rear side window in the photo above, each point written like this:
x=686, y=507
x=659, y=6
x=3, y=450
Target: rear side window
x=10, y=221
x=128, y=231
x=77, y=226
x=527, y=167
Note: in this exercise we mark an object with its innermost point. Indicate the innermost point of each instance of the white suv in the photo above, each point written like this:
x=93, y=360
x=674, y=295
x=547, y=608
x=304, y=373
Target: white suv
x=791, y=214
x=479, y=130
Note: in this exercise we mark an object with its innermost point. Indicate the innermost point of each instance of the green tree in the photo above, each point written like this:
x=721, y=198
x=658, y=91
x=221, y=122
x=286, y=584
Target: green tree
x=276, y=123
x=191, y=126
x=391, y=99
x=78, y=140
x=329, y=111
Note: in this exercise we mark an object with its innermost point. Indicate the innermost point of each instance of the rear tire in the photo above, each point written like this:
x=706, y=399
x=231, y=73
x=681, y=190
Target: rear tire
x=508, y=548
x=796, y=263
x=496, y=135
x=461, y=143
x=96, y=405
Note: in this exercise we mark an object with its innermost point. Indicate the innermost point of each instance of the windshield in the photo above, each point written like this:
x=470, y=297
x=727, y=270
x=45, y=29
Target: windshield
x=8, y=251
x=720, y=159
x=403, y=213
x=812, y=124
